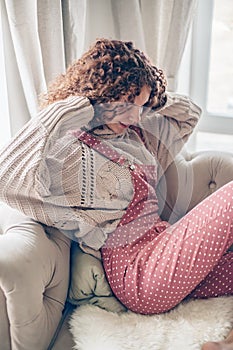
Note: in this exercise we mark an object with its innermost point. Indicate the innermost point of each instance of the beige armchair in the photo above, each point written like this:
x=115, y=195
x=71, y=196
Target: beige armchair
x=34, y=261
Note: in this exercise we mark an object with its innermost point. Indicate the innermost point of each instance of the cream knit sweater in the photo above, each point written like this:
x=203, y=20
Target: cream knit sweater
x=51, y=176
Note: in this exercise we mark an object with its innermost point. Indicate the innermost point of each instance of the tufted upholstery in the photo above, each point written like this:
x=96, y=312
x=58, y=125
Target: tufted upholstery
x=190, y=179
x=34, y=264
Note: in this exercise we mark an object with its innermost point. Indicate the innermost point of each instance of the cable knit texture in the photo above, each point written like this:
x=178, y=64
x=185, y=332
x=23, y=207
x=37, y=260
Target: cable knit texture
x=48, y=174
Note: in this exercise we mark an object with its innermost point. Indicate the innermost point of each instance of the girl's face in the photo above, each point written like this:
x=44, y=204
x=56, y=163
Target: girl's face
x=127, y=113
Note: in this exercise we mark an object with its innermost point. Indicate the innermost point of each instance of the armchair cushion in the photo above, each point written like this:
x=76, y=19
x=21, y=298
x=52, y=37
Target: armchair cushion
x=88, y=283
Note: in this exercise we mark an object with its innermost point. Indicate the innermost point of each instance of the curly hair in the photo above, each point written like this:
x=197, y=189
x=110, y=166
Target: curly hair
x=109, y=70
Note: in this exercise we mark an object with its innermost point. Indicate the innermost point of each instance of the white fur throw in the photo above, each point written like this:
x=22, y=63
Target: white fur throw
x=186, y=327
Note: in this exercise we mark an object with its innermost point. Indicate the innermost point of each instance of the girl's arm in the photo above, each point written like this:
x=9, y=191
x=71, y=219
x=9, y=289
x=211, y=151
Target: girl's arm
x=168, y=128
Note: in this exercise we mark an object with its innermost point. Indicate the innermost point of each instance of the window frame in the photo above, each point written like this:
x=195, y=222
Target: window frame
x=199, y=74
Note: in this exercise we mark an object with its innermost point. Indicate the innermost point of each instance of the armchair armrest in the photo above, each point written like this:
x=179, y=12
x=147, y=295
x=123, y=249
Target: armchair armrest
x=34, y=275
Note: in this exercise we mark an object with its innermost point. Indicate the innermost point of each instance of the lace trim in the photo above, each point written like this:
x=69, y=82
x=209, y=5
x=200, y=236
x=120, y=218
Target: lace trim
x=84, y=172
x=92, y=176
x=88, y=172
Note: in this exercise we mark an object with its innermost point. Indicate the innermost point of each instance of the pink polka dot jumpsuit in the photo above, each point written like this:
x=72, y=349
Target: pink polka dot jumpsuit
x=152, y=266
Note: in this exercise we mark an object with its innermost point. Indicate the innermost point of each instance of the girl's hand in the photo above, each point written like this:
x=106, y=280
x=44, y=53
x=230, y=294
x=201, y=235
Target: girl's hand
x=160, y=91
x=159, y=101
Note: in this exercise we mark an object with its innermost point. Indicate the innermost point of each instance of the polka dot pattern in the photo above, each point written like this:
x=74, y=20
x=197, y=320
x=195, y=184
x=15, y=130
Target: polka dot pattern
x=158, y=270
x=152, y=266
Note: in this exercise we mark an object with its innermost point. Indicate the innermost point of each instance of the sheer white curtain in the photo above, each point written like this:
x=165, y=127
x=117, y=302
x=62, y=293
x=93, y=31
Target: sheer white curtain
x=166, y=26
x=33, y=44
x=158, y=27
x=41, y=37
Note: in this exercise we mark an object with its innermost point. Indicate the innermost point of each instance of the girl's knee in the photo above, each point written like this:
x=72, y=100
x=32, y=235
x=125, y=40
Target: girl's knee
x=228, y=187
x=225, y=194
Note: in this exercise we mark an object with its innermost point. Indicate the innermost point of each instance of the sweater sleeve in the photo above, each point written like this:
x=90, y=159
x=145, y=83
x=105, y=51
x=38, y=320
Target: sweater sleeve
x=22, y=159
x=167, y=129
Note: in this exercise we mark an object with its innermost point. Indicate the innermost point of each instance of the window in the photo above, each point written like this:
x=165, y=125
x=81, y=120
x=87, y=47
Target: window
x=206, y=74
x=220, y=82
x=211, y=81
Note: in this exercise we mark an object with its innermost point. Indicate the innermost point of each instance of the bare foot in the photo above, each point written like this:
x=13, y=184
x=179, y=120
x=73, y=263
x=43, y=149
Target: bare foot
x=226, y=344
x=217, y=346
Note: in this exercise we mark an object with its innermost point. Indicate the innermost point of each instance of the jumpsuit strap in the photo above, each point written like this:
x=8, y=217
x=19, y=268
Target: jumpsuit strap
x=99, y=146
